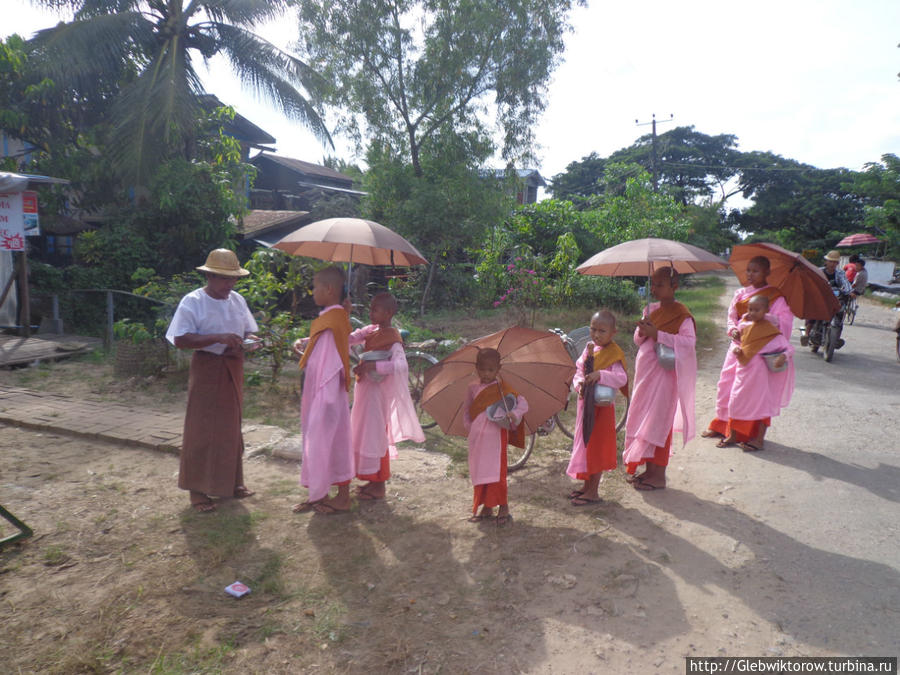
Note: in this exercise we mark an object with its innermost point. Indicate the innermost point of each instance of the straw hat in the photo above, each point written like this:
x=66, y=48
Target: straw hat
x=224, y=263
x=833, y=256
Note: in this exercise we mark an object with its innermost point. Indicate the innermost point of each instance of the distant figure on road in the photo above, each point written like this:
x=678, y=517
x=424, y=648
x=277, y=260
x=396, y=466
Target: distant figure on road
x=214, y=321
x=861, y=279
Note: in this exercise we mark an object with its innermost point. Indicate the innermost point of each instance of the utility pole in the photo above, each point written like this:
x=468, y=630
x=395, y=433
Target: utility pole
x=653, y=166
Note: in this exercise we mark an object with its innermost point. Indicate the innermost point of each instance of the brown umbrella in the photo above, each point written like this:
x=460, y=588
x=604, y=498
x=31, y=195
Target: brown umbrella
x=352, y=240
x=803, y=285
x=642, y=257
x=534, y=363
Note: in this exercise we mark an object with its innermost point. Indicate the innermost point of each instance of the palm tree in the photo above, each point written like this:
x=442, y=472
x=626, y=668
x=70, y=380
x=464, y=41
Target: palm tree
x=146, y=47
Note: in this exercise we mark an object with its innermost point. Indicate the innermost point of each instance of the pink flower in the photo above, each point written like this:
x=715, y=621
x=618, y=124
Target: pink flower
x=510, y=267
x=518, y=258
x=496, y=303
x=537, y=281
x=531, y=272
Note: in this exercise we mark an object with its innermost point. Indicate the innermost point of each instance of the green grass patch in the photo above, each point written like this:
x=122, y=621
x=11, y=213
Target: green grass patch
x=198, y=660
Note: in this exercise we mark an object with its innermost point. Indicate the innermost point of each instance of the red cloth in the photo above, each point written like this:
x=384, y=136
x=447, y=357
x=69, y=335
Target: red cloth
x=744, y=430
x=602, y=447
x=384, y=471
x=660, y=457
x=493, y=494
x=850, y=271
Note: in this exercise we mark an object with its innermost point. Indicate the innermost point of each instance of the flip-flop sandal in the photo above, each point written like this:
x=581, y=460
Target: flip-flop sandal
x=574, y=494
x=364, y=495
x=204, y=507
x=242, y=492
x=725, y=444
x=633, y=478
x=709, y=433
x=584, y=501
x=503, y=521
x=328, y=509
x=647, y=487
x=749, y=447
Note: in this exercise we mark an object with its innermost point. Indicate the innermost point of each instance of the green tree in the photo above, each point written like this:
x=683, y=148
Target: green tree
x=146, y=50
x=410, y=69
x=879, y=187
x=797, y=204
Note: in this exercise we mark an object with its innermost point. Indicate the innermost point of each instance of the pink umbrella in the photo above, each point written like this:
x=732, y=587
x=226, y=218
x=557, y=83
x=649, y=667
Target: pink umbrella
x=858, y=239
x=352, y=240
x=642, y=257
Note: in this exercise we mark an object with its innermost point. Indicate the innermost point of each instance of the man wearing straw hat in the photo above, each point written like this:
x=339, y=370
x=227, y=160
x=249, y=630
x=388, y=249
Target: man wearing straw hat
x=214, y=321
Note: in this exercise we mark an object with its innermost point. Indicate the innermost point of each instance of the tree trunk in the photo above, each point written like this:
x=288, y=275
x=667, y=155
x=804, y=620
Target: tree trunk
x=427, y=288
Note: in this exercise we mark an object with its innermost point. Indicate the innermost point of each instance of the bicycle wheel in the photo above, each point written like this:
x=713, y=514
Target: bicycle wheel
x=418, y=363
x=852, y=308
x=830, y=339
x=516, y=457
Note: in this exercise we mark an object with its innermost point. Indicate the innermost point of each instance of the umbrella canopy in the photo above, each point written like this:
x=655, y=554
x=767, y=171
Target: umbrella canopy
x=803, y=285
x=642, y=257
x=534, y=363
x=860, y=239
x=352, y=240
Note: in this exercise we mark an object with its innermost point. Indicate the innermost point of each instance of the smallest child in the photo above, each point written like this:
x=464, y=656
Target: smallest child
x=594, y=444
x=758, y=394
x=488, y=440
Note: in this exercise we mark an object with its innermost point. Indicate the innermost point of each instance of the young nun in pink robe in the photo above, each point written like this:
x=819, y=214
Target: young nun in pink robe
x=758, y=394
x=661, y=400
x=324, y=404
x=779, y=314
x=383, y=413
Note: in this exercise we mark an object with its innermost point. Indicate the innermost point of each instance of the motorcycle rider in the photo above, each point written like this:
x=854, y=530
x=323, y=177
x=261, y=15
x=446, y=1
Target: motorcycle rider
x=839, y=285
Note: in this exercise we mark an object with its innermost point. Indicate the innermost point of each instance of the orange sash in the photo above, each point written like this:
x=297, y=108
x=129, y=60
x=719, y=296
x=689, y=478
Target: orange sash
x=754, y=337
x=487, y=397
x=382, y=339
x=668, y=318
x=338, y=322
x=770, y=292
x=603, y=359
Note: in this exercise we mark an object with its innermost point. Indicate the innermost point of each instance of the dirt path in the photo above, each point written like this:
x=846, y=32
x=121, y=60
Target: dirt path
x=791, y=551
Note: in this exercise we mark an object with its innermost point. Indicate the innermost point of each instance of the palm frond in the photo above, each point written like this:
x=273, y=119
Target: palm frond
x=80, y=52
x=243, y=12
x=274, y=74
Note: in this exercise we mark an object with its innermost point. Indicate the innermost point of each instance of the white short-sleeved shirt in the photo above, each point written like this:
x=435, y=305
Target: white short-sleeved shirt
x=202, y=314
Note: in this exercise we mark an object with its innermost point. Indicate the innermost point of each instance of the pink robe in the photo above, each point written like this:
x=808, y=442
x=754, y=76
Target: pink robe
x=779, y=314
x=325, y=420
x=615, y=377
x=383, y=413
x=757, y=392
x=484, y=437
x=661, y=398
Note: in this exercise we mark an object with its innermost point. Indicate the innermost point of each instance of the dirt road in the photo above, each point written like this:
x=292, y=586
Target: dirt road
x=789, y=551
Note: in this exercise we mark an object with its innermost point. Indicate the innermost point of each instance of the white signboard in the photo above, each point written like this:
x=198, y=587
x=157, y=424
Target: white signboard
x=12, y=222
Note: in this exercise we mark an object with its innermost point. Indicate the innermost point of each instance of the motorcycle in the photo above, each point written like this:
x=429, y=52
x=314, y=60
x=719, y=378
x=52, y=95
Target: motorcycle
x=826, y=334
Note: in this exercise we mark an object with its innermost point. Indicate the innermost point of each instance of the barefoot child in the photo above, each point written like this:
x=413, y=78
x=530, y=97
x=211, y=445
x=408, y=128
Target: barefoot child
x=383, y=413
x=487, y=440
x=594, y=446
x=324, y=406
x=758, y=394
x=662, y=400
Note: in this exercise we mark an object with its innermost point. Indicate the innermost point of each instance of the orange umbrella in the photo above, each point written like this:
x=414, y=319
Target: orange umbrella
x=642, y=257
x=352, y=240
x=534, y=363
x=804, y=286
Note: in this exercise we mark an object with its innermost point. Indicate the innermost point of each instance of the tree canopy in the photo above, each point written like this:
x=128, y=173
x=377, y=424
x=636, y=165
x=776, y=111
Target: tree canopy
x=142, y=55
x=409, y=70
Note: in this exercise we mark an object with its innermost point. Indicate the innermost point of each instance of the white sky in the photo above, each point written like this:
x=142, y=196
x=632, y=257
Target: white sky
x=811, y=80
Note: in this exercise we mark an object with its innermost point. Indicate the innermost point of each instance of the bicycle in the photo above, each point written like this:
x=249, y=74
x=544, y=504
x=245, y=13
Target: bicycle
x=575, y=343
x=852, y=307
